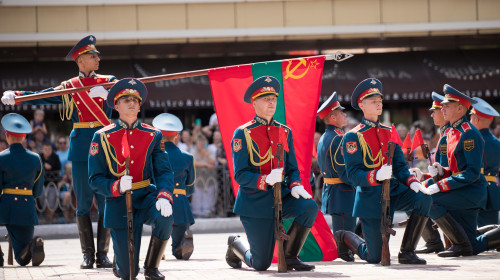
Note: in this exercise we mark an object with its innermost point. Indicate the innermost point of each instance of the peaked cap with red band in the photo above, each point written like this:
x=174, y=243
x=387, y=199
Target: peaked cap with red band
x=169, y=124
x=436, y=101
x=86, y=45
x=16, y=125
x=127, y=87
x=263, y=86
x=453, y=95
x=483, y=109
x=367, y=88
x=330, y=105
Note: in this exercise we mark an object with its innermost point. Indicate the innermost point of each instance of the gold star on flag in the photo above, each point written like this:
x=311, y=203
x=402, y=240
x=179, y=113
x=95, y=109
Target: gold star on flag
x=314, y=64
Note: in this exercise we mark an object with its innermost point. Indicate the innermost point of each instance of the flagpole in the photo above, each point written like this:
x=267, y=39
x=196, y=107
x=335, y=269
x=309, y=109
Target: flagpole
x=338, y=56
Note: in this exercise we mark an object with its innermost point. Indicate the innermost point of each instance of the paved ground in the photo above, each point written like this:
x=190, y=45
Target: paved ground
x=207, y=262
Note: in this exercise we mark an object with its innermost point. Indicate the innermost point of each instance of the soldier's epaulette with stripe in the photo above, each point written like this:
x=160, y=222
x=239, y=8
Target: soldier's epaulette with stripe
x=147, y=126
x=243, y=126
x=109, y=77
x=357, y=128
x=466, y=126
x=106, y=128
x=282, y=125
x=384, y=126
x=339, y=132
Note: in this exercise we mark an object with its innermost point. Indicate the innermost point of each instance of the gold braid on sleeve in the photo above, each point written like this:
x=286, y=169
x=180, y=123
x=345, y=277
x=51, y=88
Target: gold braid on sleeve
x=336, y=152
x=66, y=108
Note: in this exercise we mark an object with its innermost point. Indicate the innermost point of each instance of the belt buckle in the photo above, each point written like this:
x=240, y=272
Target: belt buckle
x=91, y=124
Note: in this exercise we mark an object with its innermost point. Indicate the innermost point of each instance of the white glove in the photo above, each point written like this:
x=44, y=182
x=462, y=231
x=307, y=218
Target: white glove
x=163, y=205
x=384, y=173
x=275, y=176
x=125, y=183
x=417, y=187
x=433, y=189
x=435, y=169
x=98, y=91
x=417, y=173
x=8, y=97
x=299, y=191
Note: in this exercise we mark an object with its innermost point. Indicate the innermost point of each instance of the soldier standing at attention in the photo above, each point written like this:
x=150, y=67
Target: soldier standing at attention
x=88, y=111
x=461, y=193
x=431, y=236
x=184, y=179
x=21, y=179
x=482, y=115
x=338, y=194
x=149, y=177
x=365, y=149
x=256, y=170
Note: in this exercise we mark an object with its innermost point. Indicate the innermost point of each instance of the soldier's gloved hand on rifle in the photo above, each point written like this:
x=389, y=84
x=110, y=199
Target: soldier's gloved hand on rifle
x=163, y=205
x=432, y=189
x=8, y=97
x=299, y=191
x=275, y=176
x=417, y=173
x=98, y=91
x=435, y=169
x=417, y=187
x=384, y=173
x=125, y=183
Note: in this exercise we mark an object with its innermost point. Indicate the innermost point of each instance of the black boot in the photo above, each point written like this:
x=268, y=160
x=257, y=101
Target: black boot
x=342, y=249
x=187, y=246
x=115, y=271
x=87, y=241
x=153, y=258
x=347, y=241
x=297, y=235
x=482, y=230
x=416, y=224
x=493, y=237
x=103, y=235
x=359, y=230
x=236, y=250
x=25, y=256
x=455, y=232
x=432, y=238
x=37, y=252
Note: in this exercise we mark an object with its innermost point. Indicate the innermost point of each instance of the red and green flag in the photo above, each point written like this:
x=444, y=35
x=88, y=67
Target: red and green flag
x=297, y=105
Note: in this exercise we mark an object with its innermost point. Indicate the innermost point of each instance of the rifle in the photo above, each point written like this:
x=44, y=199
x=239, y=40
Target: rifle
x=386, y=223
x=10, y=256
x=279, y=231
x=338, y=56
x=130, y=216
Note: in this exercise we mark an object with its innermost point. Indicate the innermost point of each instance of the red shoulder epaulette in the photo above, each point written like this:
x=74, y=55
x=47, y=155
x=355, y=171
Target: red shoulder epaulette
x=243, y=126
x=145, y=125
x=466, y=126
x=358, y=127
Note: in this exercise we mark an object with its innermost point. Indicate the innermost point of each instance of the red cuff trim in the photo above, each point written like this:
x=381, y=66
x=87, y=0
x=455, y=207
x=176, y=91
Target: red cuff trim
x=115, y=189
x=411, y=179
x=371, y=178
x=166, y=195
x=447, y=172
x=261, y=183
x=425, y=183
x=294, y=184
x=18, y=93
x=443, y=185
x=427, y=176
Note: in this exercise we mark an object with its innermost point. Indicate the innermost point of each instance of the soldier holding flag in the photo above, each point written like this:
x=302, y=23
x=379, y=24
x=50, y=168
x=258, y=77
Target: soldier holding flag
x=88, y=112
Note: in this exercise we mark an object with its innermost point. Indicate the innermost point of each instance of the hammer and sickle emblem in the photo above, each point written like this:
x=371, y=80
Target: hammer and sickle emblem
x=291, y=73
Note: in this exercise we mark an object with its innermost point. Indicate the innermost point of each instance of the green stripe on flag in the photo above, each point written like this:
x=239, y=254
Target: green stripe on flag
x=272, y=68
